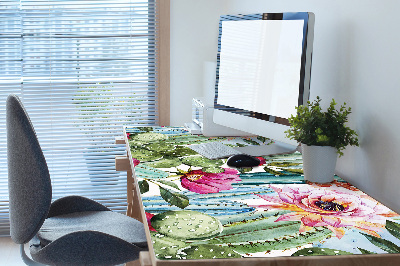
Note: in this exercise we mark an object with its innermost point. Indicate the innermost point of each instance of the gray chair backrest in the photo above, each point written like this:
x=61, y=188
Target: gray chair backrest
x=29, y=183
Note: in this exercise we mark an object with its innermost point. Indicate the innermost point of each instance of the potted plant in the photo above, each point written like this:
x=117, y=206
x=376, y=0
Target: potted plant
x=323, y=135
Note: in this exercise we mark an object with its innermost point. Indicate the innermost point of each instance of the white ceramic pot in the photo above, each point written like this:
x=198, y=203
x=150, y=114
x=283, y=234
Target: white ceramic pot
x=319, y=163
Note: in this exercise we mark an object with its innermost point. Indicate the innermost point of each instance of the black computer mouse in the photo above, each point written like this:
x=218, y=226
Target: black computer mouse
x=242, y=160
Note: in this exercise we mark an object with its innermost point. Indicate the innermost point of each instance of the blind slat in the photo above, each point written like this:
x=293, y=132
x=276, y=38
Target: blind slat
x=83, y=69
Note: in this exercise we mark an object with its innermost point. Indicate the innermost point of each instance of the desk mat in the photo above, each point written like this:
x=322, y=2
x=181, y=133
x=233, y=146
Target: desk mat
x=201, y=209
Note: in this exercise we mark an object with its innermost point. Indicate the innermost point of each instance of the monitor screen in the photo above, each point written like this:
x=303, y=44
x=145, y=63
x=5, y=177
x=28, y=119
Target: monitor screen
x=263, y=71
x=260, y=63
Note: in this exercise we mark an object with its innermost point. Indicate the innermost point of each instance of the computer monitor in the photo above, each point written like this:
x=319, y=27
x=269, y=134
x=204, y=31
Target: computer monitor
x=263, y=73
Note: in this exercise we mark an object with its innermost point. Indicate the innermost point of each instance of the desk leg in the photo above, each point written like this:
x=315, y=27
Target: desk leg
x=144, y=260
x=133, y=263
x=133, y=198
x=129, y=193
x=133, y=209
x=134, y=212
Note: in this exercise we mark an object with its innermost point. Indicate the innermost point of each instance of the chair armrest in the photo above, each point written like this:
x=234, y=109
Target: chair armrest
x=72, y=204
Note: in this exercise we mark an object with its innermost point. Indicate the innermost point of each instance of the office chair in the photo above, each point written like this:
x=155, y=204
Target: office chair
x=70, y=231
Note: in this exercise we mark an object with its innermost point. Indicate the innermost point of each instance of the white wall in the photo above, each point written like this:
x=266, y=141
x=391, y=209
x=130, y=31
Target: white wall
x=194, y=41
x=355, y=60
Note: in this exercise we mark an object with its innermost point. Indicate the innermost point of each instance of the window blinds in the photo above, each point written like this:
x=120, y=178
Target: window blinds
x=83, y=69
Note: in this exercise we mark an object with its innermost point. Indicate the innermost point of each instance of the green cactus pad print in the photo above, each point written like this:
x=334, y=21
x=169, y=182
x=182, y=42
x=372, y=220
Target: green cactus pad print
x=149, y=137
x=167, y=247
x=201, y=209
x=165, y=163
x=186, y=225
x=201, y=161
x=209, y=252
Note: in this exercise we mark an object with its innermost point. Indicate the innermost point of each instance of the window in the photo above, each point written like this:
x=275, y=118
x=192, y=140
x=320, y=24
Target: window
x=83, y=69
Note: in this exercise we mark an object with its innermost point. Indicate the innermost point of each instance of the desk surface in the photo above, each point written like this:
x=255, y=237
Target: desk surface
x=201, y=209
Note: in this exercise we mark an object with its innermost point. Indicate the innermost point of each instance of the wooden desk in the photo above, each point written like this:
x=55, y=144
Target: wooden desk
x=201, y=212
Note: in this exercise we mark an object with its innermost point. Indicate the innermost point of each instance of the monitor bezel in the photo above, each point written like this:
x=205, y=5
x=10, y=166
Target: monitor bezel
x=305, y=69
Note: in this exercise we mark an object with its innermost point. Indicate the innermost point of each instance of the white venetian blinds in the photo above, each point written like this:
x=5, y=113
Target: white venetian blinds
x=83, y=69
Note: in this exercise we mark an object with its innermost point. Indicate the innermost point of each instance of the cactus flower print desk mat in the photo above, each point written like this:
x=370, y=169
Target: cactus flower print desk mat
x=200, y=209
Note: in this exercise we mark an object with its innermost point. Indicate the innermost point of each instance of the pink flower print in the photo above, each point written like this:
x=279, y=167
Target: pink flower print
x=262, y=161
x=204, y=183
x=148, y=218
x=135, y=162
x=333, y=209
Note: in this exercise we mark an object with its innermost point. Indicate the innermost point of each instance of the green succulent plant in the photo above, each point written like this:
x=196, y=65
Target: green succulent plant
x=312, y=126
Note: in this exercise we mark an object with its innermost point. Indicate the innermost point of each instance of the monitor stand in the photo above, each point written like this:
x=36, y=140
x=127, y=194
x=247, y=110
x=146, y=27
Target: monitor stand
x=275, y=148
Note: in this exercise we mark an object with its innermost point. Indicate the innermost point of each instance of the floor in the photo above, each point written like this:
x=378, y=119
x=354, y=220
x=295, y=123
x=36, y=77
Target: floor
x=9, y=253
